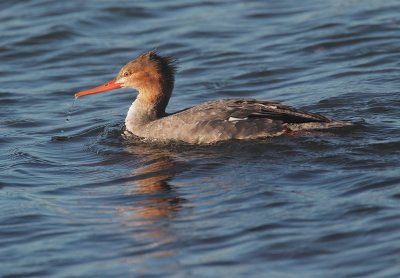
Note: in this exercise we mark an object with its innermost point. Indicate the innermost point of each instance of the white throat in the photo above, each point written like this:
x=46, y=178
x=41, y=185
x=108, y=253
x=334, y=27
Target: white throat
x=131, y=113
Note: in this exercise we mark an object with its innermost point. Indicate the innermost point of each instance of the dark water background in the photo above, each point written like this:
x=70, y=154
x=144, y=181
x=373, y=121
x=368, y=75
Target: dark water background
x=77, y=200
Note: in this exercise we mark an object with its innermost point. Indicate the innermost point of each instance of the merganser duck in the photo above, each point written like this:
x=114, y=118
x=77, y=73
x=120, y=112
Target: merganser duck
x=153, y=77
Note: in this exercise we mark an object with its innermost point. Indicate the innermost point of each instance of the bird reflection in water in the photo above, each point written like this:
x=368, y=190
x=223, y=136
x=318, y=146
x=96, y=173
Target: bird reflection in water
x=156, y=201
x=161, y=200
x=151, y=181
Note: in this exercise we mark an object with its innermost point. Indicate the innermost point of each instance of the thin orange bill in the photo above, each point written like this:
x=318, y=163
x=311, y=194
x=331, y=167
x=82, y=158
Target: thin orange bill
x=111, y=85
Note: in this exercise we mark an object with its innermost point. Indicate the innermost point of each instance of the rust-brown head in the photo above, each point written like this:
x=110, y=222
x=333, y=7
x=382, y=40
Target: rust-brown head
x=150, y=74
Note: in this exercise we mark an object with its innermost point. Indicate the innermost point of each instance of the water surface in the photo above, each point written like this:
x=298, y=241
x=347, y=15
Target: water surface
x=77, y=200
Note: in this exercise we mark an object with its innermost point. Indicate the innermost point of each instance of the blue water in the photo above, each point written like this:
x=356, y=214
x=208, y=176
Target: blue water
x=78, y=200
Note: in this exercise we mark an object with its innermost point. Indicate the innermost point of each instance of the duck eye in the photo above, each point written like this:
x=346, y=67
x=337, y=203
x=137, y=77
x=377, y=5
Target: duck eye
x=126, y=74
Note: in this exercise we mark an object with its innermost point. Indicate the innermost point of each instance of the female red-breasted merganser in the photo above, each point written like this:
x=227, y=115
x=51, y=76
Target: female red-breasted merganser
x=153, y=77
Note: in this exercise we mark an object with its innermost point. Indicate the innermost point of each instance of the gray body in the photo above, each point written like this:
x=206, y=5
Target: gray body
x=221, y=120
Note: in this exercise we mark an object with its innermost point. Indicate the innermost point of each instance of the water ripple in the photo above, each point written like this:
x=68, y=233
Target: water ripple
x=80, y=200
